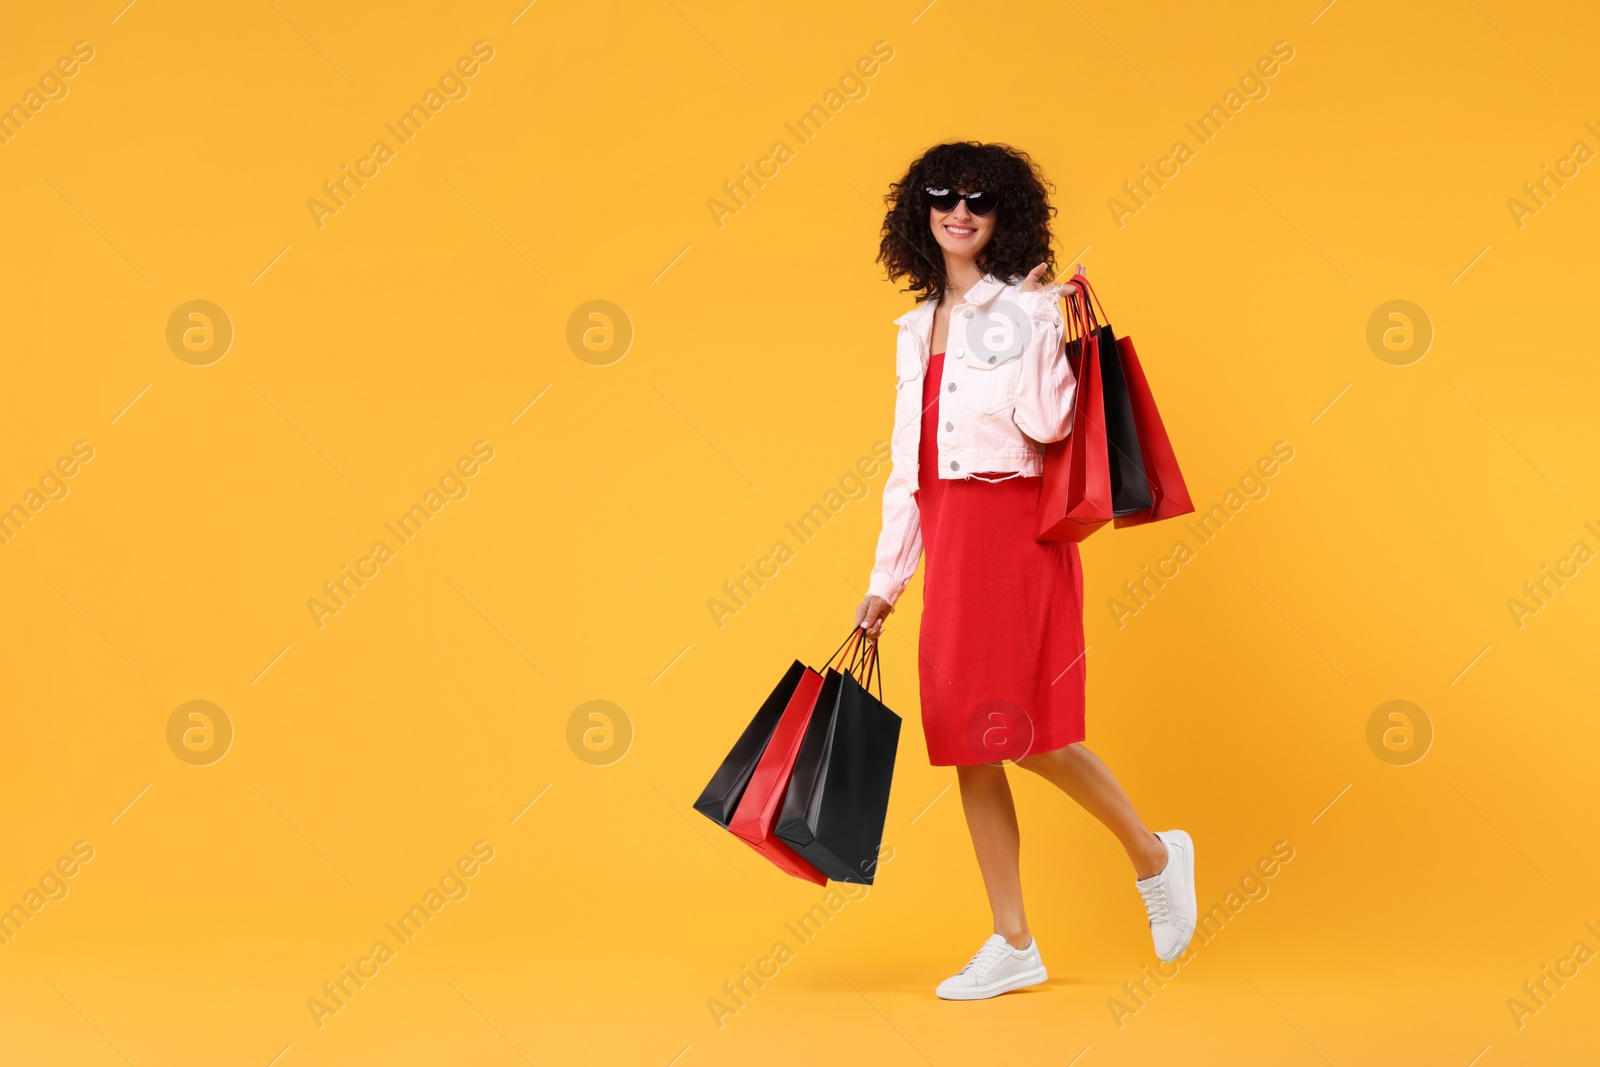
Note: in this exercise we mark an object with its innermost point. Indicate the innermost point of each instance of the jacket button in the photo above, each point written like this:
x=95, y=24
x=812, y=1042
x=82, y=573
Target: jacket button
x=966, y=313
x=991, y=359
x=954, y=465
x=949, y=426
x=951, y=387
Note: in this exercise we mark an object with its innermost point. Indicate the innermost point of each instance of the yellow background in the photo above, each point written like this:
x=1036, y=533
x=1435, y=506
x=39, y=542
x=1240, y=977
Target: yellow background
x=425, y=716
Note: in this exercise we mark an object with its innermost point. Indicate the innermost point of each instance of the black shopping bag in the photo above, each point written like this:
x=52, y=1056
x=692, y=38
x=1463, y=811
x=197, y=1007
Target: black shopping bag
x=838, y=795
x=1130, y=490
x=721, y=795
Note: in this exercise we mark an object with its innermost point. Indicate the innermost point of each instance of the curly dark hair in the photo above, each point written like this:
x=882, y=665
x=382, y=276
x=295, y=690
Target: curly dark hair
x=1021, y=238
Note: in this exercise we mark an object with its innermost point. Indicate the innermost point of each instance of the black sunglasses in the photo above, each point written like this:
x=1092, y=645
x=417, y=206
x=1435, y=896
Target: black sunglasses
x=979, y=203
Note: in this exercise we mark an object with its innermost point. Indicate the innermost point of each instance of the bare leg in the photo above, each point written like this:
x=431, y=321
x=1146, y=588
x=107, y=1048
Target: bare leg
x=1082, y=776
x=992, y=821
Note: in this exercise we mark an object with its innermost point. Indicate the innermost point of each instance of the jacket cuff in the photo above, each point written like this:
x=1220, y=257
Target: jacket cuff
x=882, y=586
x=1043, y=306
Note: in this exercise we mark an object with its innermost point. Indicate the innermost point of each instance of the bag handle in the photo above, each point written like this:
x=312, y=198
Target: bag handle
x=869, y=664
x=861, y=652
x=1078, y=315
x=1090, y=295
x=858, y=657
x=851, y=646
x=1076, y=300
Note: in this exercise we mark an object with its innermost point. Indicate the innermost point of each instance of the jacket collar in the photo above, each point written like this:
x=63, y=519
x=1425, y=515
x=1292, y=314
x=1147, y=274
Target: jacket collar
x=983, y=291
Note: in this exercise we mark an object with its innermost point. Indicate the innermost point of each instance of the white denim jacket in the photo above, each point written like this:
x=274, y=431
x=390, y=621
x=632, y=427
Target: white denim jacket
x=1006, y=392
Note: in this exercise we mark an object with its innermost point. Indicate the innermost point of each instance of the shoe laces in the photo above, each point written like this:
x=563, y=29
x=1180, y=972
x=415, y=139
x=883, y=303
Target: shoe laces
x=986, y=958
x=1157, y=900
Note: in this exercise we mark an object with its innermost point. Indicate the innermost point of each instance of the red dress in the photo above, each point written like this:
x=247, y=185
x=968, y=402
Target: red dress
x=1001, y=665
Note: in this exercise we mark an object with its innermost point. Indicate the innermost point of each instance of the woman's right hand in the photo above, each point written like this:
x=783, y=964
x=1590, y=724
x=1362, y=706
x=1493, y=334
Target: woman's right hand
x=870, y=615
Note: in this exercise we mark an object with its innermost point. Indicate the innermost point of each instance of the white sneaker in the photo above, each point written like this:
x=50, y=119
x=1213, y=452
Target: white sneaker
x=1169, y=896
x=997, y=968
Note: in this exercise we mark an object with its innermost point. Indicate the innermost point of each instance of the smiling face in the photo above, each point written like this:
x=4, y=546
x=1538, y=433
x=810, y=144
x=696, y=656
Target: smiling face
x=959, y=232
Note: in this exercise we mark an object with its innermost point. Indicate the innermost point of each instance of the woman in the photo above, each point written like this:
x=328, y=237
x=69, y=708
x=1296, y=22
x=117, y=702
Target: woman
x=983, y=385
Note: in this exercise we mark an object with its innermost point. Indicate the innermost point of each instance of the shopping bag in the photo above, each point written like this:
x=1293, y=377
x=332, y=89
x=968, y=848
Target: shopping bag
x=1075, y=497
x=1169, y=494
x=1069, y=506
x=758, y=807
x=762, y=799
x=721, y=795
x=838, y=798
x=1130, y=488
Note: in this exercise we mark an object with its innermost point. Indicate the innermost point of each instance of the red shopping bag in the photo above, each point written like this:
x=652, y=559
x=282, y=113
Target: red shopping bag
x=1169, y=495
x=1075, y=499
x=758, y=809
x=754, y=820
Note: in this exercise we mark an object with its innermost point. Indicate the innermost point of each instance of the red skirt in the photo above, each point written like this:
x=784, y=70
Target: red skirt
x=1002, y=664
